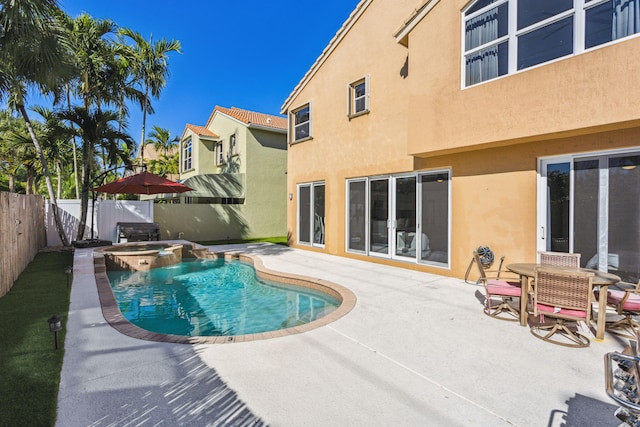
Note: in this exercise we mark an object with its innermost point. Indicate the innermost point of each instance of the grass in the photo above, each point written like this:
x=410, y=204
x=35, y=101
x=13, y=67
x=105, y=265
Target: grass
x=279, y=240
x=29, y=363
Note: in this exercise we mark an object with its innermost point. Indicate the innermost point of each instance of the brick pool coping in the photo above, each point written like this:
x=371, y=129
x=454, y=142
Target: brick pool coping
x=114, y=317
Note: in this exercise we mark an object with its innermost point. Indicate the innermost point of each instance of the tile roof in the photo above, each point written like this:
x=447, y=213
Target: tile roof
x=201, y=131
x=252, y=117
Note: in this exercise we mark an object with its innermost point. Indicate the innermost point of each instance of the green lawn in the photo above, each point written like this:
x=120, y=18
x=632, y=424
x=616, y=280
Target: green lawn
x=29, y=363
x=280, y=240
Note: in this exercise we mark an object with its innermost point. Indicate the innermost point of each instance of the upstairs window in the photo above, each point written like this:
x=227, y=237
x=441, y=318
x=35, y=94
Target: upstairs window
x=506, y=36
x=301, y=123
x=233, y=144
x=187, y=147
x=219, y=153
x=610, y=20
x=358, y=97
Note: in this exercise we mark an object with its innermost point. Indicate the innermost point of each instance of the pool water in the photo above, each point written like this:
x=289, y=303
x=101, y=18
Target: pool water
x=214, y=298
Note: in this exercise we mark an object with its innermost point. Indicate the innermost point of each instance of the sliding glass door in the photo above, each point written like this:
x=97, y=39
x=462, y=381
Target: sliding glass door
x=435, y=214
x=407, y=217
x=392, y=217
x=379, y=217
x=311, y=214
x=356, y=217
x=404, y=221
x=591, y=205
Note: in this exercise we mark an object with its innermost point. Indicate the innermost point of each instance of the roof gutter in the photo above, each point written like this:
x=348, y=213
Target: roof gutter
x=266, y=128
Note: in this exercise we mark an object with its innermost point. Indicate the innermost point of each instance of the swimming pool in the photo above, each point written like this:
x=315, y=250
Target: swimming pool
x=305, y=303
x=214, y=297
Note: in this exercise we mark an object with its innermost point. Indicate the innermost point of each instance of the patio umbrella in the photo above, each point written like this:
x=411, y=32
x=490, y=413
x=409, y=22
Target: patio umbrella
x=142, y=183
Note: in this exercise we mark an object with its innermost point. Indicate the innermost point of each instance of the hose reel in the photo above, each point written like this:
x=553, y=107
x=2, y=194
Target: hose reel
x=486, y=256
x=486, y=259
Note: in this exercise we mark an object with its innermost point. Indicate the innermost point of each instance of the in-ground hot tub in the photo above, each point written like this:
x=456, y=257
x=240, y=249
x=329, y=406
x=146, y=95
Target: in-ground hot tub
x=141, y=256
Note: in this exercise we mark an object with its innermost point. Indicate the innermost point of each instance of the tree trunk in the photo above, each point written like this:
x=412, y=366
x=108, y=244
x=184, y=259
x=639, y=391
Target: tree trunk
x=73, y=145
x=47, y=177
x=144, y=123
x=12, y=183
x=59, y=175
x=86, y=183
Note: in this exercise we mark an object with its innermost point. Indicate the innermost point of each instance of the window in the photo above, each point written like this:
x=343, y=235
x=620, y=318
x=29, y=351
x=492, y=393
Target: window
x=301, y=123
x=233, y=144
x=311, y=200
x=506, y=36
x=213, y=201
x=404, y=217
x=187, y=147
x=219, y=153
x=358, y=97
x=610, y=20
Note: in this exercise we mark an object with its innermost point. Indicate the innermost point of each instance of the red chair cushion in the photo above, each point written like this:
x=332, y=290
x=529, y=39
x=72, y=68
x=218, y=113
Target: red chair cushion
x=564, y=311
x=632, y=304
x=501, y=287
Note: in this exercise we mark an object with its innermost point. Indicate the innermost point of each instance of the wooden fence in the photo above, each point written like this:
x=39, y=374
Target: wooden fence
x=22, y=235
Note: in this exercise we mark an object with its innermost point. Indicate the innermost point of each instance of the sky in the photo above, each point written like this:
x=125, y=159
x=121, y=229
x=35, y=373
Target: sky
x=246, y=54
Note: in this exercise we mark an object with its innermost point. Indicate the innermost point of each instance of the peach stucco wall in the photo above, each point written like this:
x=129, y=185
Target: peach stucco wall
x=370, y=144
x=494, y=193
x=490, y=136
x=582, y=94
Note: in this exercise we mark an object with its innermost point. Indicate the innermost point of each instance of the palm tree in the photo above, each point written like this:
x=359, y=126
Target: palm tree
x=11, y=153
x=8, y=156
x=103, y=79
x=55, y=139
x=161, y=140
x=96, y=129
x=165, y=146
x=32, y=54
x=151, y=68
x=93, y=55
x=165, y=165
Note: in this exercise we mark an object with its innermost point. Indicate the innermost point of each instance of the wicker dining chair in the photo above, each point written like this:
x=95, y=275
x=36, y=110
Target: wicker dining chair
x=625, y=299
x=564, y=296
x=560, y=259
x=504, y=288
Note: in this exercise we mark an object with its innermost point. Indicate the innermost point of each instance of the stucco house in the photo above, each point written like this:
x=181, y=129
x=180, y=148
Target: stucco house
x=237, y=166
x=428, y=128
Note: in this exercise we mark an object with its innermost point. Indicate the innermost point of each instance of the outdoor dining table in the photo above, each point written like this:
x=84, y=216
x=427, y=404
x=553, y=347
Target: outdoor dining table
x=601, y=279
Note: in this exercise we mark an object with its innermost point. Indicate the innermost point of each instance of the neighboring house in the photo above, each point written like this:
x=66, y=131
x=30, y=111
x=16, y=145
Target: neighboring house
x=153, y=160
x=428, y=128
x=238, y=160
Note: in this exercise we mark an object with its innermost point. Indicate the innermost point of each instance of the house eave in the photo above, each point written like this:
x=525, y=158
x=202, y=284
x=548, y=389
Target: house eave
x=402, y=34
x=266, y=128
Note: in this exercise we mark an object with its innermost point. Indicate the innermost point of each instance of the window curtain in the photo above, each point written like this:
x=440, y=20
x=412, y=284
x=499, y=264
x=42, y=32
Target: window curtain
x=483, y=64
x=626, y=18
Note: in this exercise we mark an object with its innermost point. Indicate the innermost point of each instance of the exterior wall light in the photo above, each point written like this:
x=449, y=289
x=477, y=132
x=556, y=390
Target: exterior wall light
x=55, y=325
x=290, y=196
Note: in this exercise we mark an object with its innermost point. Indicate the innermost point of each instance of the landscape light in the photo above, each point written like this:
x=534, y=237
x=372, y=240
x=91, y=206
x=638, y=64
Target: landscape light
x=55, y=325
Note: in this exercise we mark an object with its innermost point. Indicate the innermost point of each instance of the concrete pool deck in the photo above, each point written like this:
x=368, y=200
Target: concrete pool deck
x=416, y=350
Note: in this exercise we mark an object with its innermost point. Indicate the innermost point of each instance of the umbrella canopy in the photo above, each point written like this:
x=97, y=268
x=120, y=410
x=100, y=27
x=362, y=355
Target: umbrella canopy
x=142, y=183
